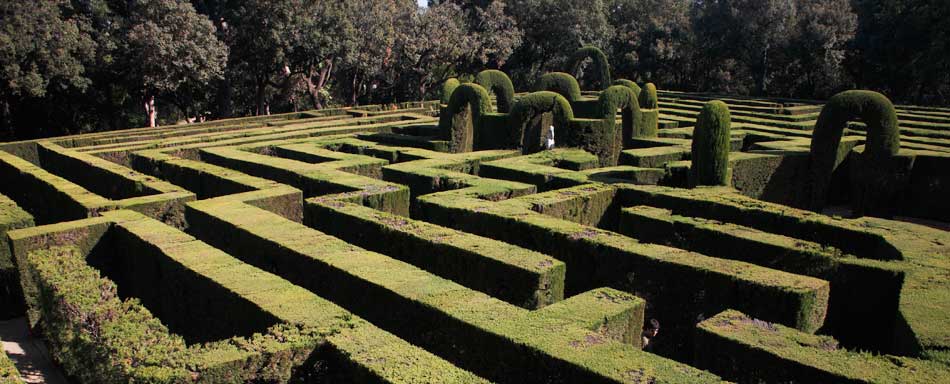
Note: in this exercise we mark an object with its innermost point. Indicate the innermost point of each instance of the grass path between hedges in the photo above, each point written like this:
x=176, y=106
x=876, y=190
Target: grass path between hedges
x=29, y=354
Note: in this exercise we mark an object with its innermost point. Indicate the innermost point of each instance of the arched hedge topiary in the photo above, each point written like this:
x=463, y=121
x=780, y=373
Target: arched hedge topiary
x=499, y=83
x=710, y=149
x=600, y=63
x=630, y=84
x=562, y=83
x=624, y=98
x=447, y=88
x=882, y=143
x=459, y=120
x=525, y=131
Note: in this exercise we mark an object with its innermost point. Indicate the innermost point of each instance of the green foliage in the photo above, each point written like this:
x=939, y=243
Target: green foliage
x=648, y=98
x=600, y=64
x=498, y=83
x=459, y=121
x=95, y=335
x=530, y=107
x=621, y=97
x=447, y=88
x=8, y=372
x=710, y=149
x=562, y=83
x=628, y=83
x=882, y=143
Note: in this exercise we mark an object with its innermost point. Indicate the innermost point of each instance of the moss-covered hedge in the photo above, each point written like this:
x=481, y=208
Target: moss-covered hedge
x=710, y=147
x=459, y=120
x=562, y=83
x=882, y=144
x=500, y=84
x=600, y=64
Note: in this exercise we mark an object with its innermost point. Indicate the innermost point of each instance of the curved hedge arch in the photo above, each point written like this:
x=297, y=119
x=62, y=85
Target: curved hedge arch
x=882, y=140
x=530, y=107
x=459, y=120
x=499, y=83
x=562, y=83
x=624, y=98
x=447, y=88
x=630, y=84
x=710, y=147
x=600, y=63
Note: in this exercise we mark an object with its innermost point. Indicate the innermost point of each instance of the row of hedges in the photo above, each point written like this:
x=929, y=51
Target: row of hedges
x=11, y=295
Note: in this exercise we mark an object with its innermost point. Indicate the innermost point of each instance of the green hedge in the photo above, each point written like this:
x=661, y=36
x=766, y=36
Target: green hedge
x=600, y=63
x=562, y=83
x=8, y=372
x=749, y=350
x=636, y=88
x=525, y=131
x=710, y=147
x=459, y=121
x=11, y=296
x=500, y=84
x=447, y=88
x=877, y=161
x=648, y=98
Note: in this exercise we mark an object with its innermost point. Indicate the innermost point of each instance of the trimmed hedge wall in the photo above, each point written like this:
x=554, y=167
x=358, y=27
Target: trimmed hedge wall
x=460, y=120
x=600, y=64
x=562, y=83
x=636, y=88
x=500, y=84
x=710, y=147
x=749, y=350
x=11, y=295
x=882, y=145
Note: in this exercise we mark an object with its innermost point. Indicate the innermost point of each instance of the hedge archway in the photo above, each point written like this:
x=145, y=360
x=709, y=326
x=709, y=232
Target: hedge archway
x=562, y=83
x=882, y=140
x=459, y=120
x=499, y=83
x=600, y=63
x=525, y=119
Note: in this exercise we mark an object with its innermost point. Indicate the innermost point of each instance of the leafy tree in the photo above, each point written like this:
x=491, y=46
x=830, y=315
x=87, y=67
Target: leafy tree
x=430, y=46
x=655, y=45
x=44, y=48
x=170, y=48
x=553, y=29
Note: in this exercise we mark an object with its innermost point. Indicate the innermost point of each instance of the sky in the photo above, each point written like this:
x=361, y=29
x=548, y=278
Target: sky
x=423, y=3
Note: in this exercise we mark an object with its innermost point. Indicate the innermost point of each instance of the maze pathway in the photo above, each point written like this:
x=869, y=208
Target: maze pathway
x=348, y=245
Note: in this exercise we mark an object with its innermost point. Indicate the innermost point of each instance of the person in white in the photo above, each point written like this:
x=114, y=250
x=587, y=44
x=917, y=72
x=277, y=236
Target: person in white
x=549, y=143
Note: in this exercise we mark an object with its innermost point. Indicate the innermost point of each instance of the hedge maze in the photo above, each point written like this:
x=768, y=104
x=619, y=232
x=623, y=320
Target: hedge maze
x=444, y=241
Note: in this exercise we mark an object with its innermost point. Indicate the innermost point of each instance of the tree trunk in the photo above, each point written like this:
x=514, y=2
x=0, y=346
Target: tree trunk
x=261, y=87
x=355, y=90
x=150, y=111
x=763, y=76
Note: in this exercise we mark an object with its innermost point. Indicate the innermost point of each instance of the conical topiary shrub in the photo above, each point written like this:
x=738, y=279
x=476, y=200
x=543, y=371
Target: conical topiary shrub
x=710, y=151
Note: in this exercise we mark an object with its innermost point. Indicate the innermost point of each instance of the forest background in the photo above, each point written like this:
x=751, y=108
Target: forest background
x=76, y=66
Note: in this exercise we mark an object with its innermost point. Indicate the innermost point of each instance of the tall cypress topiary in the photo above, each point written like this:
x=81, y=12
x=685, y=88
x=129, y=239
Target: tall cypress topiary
x=882, y=144
x=499, y=83
x=562, y=83
x=600, y=64
x=710, y=150
x=648, y=98
x=447, y=88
